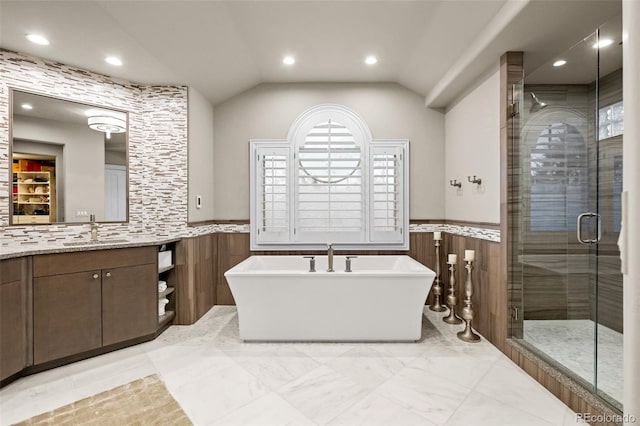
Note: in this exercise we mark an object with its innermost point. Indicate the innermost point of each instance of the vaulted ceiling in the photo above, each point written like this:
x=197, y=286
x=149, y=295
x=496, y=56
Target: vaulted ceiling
x=437, y=48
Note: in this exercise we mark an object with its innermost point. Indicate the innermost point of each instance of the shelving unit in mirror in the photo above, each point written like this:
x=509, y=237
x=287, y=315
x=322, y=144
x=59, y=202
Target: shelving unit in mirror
x=33, y=197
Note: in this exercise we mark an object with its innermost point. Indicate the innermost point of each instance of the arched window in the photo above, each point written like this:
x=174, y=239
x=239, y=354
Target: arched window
x=558, y=173
x=329, y=182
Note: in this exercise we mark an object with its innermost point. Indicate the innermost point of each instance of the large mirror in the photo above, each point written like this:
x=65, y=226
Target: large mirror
x=69, y=161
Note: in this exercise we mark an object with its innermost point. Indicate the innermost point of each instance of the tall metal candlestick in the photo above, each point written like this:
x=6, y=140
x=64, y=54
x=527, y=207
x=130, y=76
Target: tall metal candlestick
x=436, y=306
x=452, y=300
x=467, y=312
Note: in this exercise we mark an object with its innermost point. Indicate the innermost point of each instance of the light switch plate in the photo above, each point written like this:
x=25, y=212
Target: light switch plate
x=198, y=201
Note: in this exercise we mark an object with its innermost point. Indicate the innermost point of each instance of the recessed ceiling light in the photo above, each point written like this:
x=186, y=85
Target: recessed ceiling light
x=559, y=63
x=603, y=43
x=371, y=60
x=288, y=60
x=26, y=106
x=37, y=39
x=113, y=60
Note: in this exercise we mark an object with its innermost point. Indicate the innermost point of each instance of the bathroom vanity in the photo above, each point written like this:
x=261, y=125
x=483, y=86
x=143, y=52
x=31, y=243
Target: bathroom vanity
x=64, y=306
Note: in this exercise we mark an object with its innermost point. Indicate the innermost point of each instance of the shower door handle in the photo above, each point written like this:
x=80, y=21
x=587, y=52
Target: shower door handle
x=581, y=218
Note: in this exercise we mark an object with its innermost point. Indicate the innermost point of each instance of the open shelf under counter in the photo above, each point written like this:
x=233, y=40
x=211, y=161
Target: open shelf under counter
x=165, y=318
x=167, y=292
x=165, y=268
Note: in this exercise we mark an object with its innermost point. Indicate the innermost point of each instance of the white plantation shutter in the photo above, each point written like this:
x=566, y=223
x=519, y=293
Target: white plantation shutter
x=329, y=196
x=387, y=189
x=329, y=182
x=272, y=194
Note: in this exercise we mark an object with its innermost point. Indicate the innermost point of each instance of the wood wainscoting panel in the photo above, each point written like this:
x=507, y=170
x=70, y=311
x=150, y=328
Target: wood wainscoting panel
x=232, y=249
x=185, y=290
x=206, y=247
x=195, y=270
x=489, y=292
x=202, y=261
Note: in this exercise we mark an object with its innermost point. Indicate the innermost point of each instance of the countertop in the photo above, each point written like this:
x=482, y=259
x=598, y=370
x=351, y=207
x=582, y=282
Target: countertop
x=11, y=250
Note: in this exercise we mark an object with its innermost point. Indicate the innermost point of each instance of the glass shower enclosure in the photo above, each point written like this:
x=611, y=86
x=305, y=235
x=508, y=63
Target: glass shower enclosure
x=565, y=261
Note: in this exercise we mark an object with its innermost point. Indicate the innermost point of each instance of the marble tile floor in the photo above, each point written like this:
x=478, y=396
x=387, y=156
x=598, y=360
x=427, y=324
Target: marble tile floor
x=219, y=380
x=571, y=343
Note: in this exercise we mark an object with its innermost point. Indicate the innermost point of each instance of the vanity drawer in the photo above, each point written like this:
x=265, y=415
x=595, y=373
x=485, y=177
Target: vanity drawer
x=68, y=263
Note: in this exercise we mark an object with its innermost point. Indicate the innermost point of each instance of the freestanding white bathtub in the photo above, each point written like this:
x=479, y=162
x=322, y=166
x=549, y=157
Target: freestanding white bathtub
x=278, y=299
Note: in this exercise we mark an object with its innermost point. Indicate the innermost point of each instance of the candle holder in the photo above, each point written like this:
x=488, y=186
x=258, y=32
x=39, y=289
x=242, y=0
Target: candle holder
x=437, y=306
x=452, y=300
x=467, y=312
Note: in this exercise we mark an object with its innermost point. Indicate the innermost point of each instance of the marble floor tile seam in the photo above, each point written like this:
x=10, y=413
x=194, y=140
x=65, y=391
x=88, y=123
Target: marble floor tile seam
x=497, y=401
x=332, y=418
x=536, y=389
x=446, y=338
x=466, y=397
x=472, y=391
x=364, y=394
x=365, y=414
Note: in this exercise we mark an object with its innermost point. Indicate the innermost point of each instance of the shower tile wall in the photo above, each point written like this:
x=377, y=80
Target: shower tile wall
x=555, y=266
x=566, y=290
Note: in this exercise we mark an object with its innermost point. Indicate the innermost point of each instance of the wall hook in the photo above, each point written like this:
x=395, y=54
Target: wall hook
x=475, y=180
x=455, y=183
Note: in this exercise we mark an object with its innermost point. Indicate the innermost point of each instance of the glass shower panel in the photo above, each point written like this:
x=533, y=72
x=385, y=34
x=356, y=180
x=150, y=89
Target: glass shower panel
x=515, y=195
x=558, y=184
x=565, y=267
x=608, y=306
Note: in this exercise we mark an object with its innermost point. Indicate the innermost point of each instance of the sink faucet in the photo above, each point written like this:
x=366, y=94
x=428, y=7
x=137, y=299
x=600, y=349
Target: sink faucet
x=94, y=227
x=330, y=258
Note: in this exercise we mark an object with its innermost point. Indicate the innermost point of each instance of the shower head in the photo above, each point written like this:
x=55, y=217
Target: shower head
x=536, y=105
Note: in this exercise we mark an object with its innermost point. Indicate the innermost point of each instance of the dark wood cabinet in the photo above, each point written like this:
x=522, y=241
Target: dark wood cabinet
x=67, y=315
x=87, y=300
x=129, y=303
x=13, y=317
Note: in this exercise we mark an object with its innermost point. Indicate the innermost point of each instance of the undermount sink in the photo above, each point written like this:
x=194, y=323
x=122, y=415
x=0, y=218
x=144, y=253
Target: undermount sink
x=89, y=243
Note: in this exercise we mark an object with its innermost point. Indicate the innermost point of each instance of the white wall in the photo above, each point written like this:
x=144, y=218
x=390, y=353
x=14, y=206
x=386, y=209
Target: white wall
x=268, y=110
x=201, y=155
x=472, y=135
x=631, y=179
x=83, y=152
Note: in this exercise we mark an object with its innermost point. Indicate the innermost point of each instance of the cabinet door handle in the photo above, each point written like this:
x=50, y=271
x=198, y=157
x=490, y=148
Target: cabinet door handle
x=108, y=274
x=96, y=276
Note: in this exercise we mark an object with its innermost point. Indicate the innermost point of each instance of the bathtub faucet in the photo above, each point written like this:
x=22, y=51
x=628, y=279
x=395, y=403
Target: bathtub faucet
x=330, y=258
x=347, y=263
x=312, y=263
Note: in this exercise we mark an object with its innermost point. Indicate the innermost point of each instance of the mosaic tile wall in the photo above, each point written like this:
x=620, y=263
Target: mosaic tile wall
x=157, y=155
x=157, y=147
x=464, y=231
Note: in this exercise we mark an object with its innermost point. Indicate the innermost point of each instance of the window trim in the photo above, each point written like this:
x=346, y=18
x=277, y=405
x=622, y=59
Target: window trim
x=312, y=115
x=610, y=122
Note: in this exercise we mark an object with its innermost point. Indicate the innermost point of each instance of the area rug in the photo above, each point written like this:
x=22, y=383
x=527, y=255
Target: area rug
x=143, y=402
